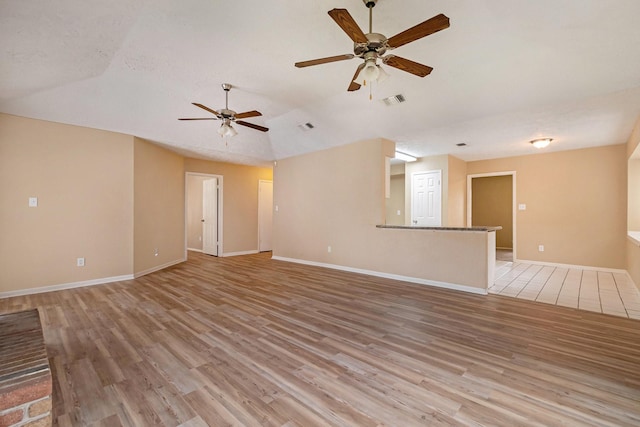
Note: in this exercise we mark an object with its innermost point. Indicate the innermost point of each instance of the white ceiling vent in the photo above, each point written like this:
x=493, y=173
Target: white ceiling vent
x=306, y=126
x=393, y=100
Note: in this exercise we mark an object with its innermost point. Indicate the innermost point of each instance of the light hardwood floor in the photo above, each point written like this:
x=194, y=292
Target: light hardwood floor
x=249, y=341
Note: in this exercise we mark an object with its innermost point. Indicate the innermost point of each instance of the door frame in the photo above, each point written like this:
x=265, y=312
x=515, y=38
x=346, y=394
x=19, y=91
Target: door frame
x=260, y=181
x=513, y=200
x=220, y=210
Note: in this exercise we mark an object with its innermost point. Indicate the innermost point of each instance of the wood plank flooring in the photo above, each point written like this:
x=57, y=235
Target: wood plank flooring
x=249, y=341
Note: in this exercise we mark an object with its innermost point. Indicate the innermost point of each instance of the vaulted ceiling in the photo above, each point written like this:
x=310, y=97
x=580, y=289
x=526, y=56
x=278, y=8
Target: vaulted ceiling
x=505, y=72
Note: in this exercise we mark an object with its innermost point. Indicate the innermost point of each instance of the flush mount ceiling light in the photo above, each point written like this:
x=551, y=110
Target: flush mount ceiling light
x=541, y=142
x=405, y=157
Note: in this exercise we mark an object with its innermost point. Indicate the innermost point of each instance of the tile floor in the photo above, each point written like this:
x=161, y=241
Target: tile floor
x=599, y=291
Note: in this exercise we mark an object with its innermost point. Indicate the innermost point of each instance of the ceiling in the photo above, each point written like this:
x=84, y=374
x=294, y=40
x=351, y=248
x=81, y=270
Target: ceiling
x=505, y=72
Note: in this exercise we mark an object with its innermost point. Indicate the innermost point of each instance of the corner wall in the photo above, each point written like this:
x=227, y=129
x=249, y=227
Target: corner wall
x=83, y=181
x=158, y=236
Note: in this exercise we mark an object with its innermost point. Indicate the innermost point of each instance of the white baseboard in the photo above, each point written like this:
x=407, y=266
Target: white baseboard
x=63, y=286
x=226, y=254
x=582, y=267
x=158, y=267
x=194, y=249
x=435, y=283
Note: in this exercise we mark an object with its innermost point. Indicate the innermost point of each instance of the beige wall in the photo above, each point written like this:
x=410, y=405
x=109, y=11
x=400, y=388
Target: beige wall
x=576, y=204
x=158, y=207
x=240, y=201
x=492, y=204
x=83, y=181
x=457, y=192
x=396, y=202
x=336, y=198
x=633, y=200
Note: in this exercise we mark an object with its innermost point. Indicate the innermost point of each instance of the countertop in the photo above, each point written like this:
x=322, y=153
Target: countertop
x=418, y=227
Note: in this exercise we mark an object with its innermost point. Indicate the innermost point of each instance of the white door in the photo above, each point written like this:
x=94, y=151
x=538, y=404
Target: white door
x=265, y=215
x=210, y=216
x=426, y=199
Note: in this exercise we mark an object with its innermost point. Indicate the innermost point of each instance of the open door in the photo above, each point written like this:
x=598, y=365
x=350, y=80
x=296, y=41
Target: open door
x=265, y=215
x=210, y=216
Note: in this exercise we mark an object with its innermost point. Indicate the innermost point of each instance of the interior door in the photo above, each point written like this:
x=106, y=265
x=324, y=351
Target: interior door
x=265, y=215
x=426, y=199
x=210, y=216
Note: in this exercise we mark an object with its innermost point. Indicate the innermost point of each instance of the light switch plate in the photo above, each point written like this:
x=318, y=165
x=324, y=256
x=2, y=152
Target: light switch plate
x=522, y=207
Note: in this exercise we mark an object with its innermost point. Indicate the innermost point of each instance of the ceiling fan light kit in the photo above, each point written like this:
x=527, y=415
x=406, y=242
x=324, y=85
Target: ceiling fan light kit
x=229, y=116
x=373, y=46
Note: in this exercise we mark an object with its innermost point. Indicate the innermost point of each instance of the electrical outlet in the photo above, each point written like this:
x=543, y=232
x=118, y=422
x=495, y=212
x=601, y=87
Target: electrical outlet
x=540, y=248
x=329, y=249
x=80, y=262
x=155, y=252
x=398, y=212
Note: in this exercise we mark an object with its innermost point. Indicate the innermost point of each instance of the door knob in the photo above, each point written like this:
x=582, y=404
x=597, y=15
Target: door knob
x=202, y=220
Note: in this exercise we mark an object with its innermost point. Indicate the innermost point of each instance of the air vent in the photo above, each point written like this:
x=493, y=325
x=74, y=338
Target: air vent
x=306, y=126
x=393, y=100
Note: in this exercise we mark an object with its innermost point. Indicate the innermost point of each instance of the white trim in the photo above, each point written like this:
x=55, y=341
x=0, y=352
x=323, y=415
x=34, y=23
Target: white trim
x=253, y=252
x=158, y=267
x=435, y=283
x=220, y=210
x=194, y=250
x=513, y=201
x=582, y=267
x=64, y=286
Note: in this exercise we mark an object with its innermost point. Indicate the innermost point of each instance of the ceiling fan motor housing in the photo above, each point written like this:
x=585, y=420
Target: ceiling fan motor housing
x=376, y=42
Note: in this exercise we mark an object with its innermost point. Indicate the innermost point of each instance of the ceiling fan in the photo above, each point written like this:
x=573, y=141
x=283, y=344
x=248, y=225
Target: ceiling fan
x=372, y=46
x=229, y=116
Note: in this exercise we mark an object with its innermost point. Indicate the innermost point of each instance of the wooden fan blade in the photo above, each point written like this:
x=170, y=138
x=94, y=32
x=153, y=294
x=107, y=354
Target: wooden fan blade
x=430, y=26
x=207, y=118
x=324, y=60
x=247, y=114
x=252, y=126
x=206, y=108
x=344, y=19
x=353, y=85
x=407, y=65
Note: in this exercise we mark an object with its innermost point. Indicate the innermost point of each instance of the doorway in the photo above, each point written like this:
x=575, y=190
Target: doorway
x=426, y=198
x=203, y=213
x=491, y=201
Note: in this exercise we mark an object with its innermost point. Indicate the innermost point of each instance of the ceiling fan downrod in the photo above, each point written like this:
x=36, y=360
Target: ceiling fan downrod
x=226, y=87
x=370, y=5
